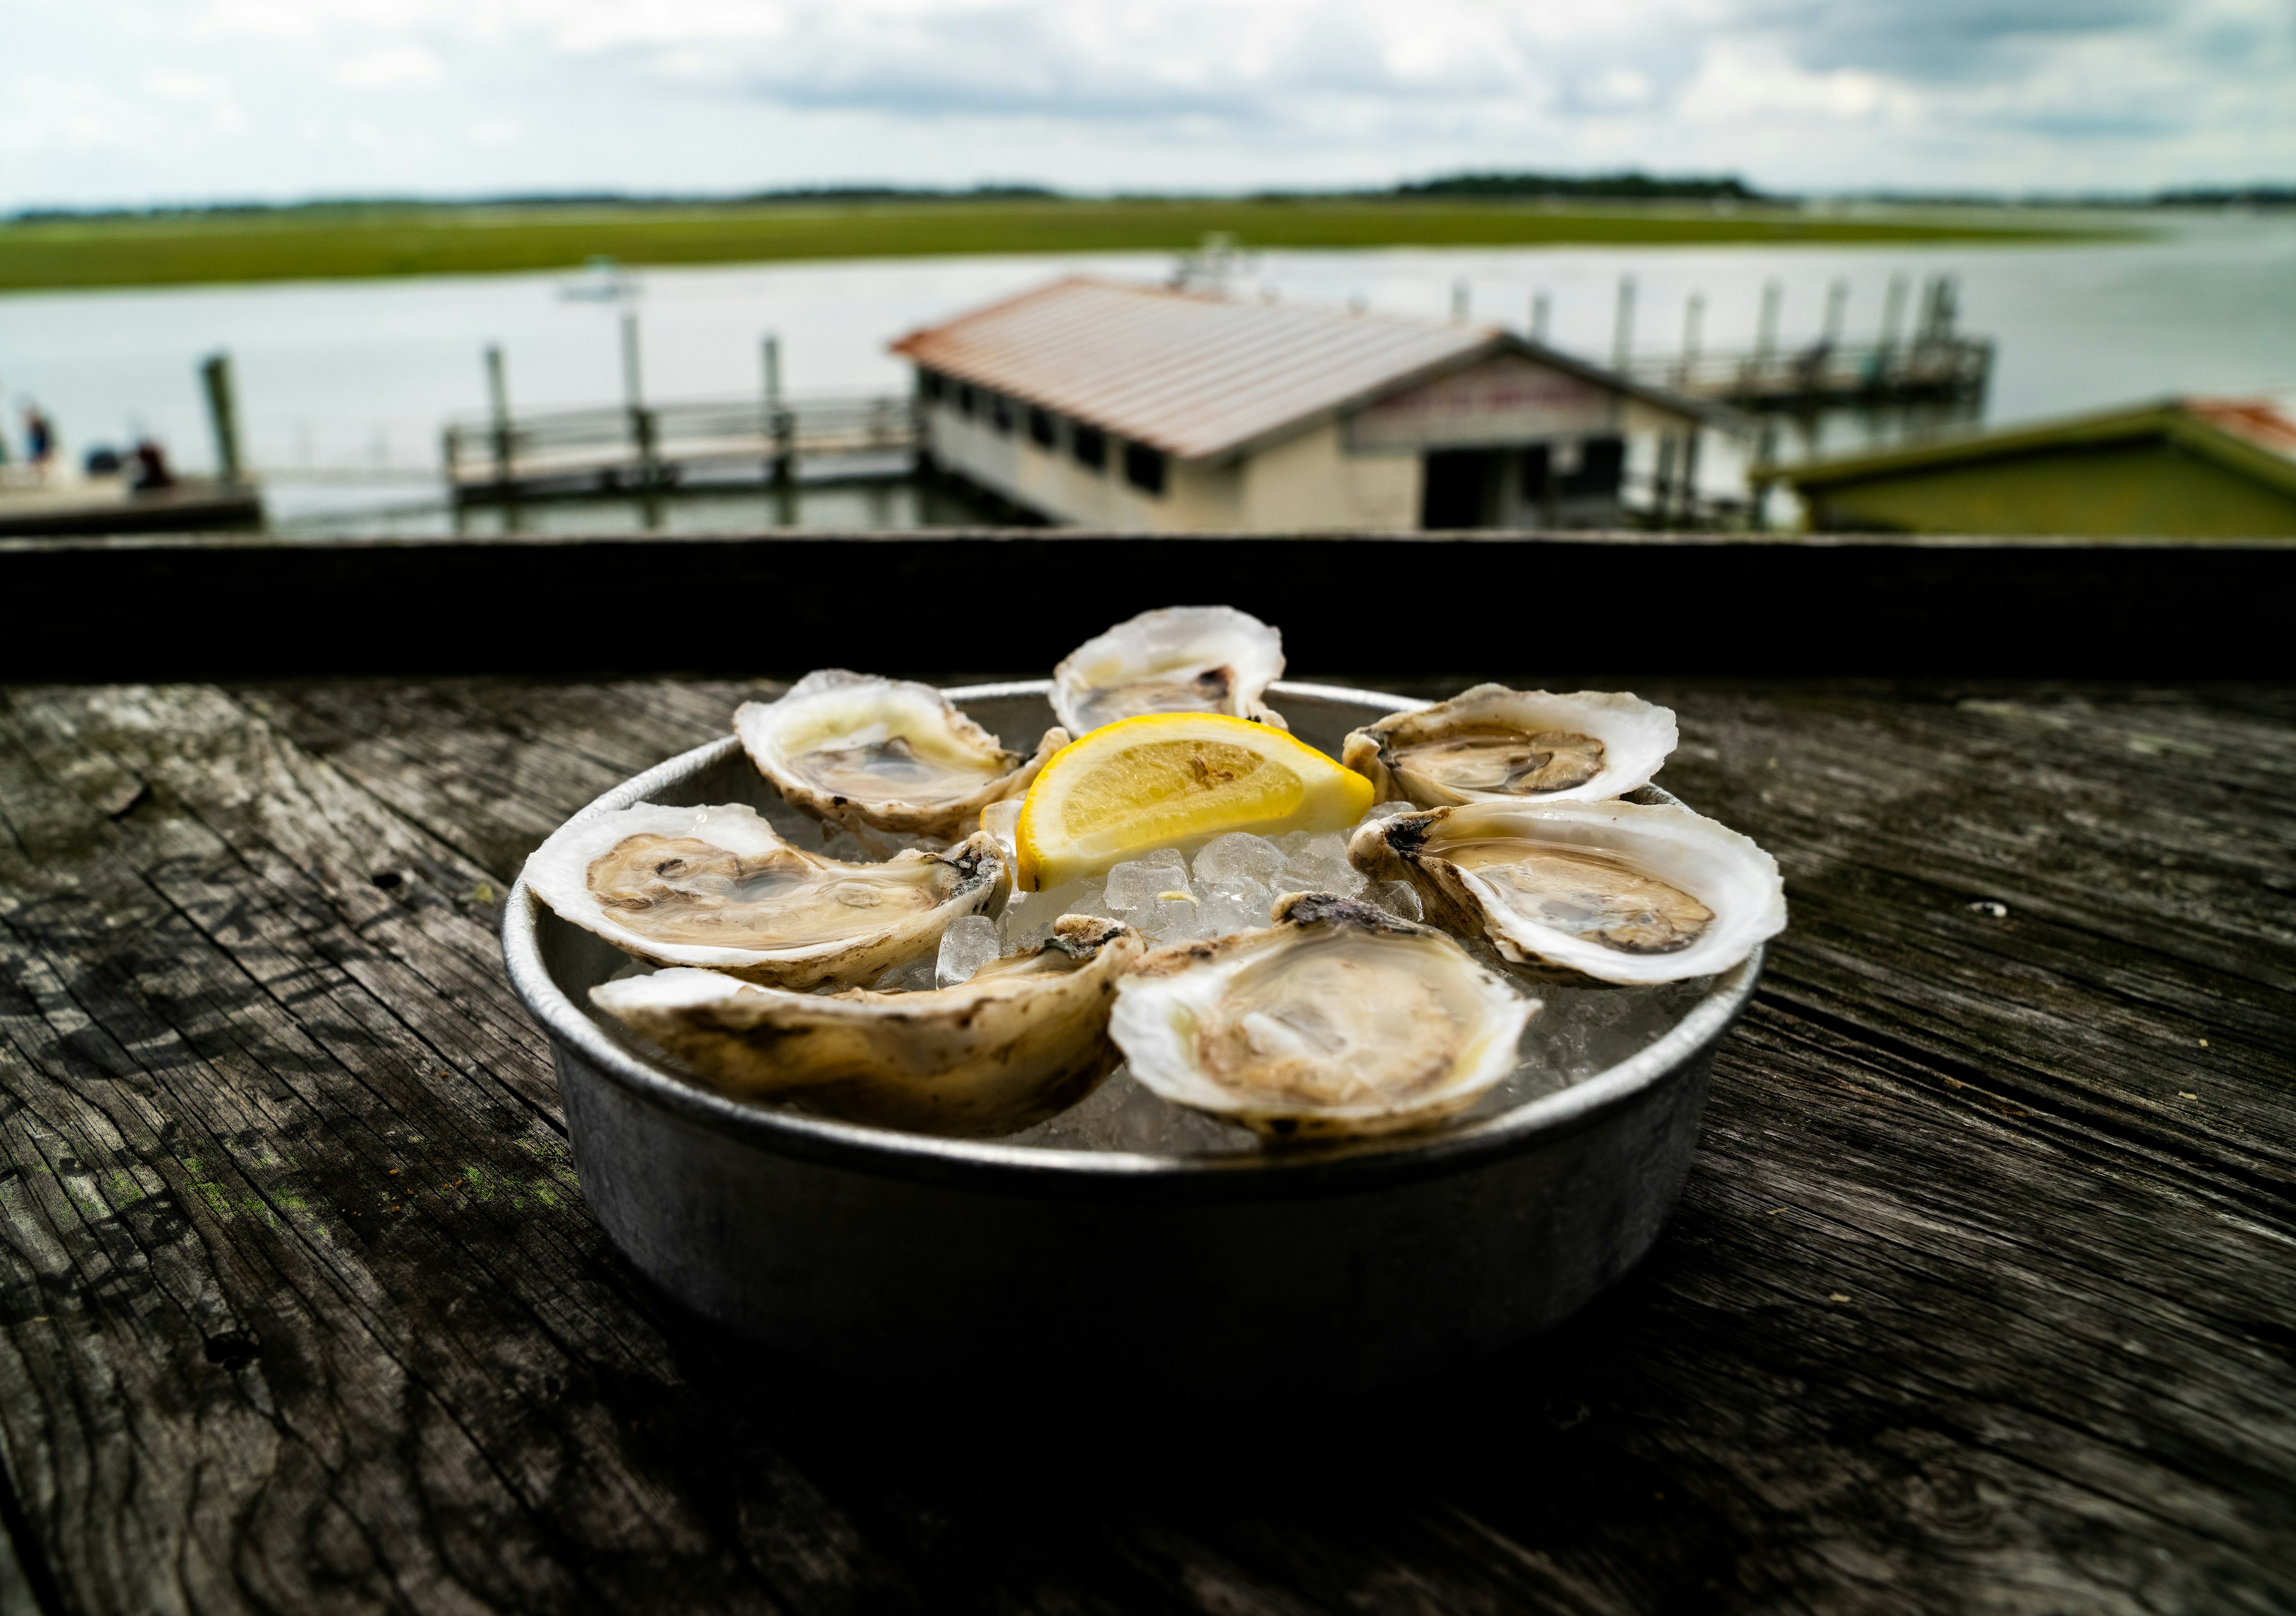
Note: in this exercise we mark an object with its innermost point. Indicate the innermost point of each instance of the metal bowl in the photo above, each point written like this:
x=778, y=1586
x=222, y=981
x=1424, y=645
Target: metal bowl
x=973, y=1265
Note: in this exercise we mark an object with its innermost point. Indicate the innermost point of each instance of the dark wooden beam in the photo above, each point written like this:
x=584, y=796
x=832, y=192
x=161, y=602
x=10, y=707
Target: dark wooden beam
x=252, y=606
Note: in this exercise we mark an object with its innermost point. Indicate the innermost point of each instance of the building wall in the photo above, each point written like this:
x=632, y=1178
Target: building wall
x=2142, y=489
x=1311, y=482
x=1052, y=482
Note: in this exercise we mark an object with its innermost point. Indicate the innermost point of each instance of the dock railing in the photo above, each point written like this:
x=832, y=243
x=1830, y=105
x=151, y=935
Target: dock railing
x=1824, y=373
x=655, y=445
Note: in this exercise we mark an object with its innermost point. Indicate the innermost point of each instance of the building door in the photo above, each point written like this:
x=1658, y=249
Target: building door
x=1459, y=489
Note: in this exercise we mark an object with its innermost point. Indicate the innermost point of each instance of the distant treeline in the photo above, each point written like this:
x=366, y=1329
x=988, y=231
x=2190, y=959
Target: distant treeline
x=1469, y=188
x=1630, y=186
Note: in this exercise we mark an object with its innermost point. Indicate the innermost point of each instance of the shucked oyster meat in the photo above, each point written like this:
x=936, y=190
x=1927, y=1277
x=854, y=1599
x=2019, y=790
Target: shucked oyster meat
x=1338, y=1020
x=1180, y=659
x=1491, y=743
x=716, y=887
x=1611, y=891
x=1026, y=1037
x=886, y=754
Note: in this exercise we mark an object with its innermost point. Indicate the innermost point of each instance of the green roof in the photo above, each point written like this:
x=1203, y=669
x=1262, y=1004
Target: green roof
x=2194, y=425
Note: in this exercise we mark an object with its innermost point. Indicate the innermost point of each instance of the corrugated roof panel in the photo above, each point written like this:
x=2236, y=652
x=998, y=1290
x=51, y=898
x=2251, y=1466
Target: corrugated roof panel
x=1192, y=375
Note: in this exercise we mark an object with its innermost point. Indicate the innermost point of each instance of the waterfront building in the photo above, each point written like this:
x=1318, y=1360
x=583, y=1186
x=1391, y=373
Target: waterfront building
x=1106, y=404
x=2183, y=467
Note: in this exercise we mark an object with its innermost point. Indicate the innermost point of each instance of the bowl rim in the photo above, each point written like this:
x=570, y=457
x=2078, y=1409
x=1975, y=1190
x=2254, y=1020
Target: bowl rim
x=994, y=1166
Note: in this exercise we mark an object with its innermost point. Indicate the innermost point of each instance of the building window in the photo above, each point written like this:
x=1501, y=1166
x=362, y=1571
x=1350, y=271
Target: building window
x=1143, y=468
x=930, y=384
x=1000, y=413
x=1089, y=445
x=1602, y=466
x=964, y=399
x=1041, y=429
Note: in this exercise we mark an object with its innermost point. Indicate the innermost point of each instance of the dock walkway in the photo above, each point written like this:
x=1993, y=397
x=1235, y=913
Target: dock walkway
x=614, y=448
x=1978, y=1295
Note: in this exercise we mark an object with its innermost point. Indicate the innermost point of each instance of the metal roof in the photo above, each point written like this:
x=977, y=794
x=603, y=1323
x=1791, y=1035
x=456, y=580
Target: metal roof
x=1201, y=375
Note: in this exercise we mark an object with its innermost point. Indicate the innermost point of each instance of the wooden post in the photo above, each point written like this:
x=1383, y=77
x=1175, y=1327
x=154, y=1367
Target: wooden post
x=1693, y=326
x=781, y=422
x=1662, y=481
x=642, y=437
x=1766, y=335
x=222, y=416
x=498, y=411
x=1893, y=314
x=1541, y=307
x=1837, y=302
x=1622, y=330
x=1462, y=297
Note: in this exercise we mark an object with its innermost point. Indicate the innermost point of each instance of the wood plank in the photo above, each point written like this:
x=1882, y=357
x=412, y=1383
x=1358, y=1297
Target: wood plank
x=1966, y=1305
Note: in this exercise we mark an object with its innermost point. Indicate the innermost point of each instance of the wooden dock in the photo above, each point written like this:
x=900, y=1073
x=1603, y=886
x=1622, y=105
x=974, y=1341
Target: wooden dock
x=624, y=448
x=1828, y=375
x=107, y=505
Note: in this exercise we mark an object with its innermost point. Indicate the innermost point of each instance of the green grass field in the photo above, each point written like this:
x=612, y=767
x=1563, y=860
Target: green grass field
x=326, y=243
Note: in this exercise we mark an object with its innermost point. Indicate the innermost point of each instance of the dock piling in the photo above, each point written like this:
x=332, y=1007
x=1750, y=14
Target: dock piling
x=222, y=417
x=1693, y=325
x=1541, y=307
x=498, y=413
x=1623, y=329
x=781, y=428
x=642, y=433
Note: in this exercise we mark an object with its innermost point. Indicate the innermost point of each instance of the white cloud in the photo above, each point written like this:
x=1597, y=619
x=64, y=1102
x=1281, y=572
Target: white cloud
x=394, y=66
x=745, y=93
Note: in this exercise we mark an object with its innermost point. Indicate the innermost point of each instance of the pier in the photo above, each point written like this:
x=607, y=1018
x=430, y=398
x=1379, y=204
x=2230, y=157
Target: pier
x=621, y=448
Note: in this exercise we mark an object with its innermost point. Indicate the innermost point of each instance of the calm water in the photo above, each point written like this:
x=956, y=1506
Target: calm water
x=351, y=380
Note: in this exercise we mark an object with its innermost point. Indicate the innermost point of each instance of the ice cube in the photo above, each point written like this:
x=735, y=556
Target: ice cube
x=914, y=977
x=1397, y=897
x=1317, y=863
x=1028, y=916
x=969, y=943
x=1140, y=883
x=1001, y=820
x=1238, y=856
x=1234, y=906
x=1386, y=810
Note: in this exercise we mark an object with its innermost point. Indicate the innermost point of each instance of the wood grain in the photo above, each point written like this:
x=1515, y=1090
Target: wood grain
x=1983, y=1295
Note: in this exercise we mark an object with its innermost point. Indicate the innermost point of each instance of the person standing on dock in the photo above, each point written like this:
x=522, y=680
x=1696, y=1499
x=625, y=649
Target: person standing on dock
x=39, y=440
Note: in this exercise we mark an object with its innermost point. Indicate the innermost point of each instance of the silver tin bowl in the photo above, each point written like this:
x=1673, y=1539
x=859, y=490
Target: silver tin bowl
x=980, y=1267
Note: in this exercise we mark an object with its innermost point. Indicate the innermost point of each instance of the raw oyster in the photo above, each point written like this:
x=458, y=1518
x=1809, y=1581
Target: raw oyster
x=1338, y=1020
x=888, y=754
x=1025, y=1038
x=1180, y=659
x=1612, y=891
x=716, y=887
x=1493, y=744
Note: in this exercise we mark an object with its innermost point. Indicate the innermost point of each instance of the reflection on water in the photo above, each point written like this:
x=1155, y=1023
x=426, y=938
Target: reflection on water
x=832, y=506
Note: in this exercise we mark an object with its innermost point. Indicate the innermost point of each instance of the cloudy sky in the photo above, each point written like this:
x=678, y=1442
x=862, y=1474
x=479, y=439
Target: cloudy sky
x=138, y=101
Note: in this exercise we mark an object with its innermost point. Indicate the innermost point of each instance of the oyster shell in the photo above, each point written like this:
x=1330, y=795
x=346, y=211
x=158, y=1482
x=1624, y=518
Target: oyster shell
x=888, y=754
x=716, y=887
x=1493, y=744
x=1178, y=659
x=1610, y=892
x=1337, y=1021
x=1027, y=1036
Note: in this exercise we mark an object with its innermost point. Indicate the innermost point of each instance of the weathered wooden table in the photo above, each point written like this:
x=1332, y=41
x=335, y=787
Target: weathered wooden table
x=1983, y=1294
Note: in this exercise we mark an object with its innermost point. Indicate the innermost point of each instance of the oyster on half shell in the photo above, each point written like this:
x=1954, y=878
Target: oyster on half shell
x=1493, y=744
x=716, y=887
x=1608, y=891
x=888, y=754
x=1179, y=658
x=1337, y=1021
x=1027, y=1036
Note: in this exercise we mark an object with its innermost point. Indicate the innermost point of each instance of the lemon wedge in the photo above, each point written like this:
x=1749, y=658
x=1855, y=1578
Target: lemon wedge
x=1166, y=779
